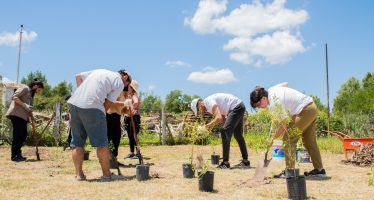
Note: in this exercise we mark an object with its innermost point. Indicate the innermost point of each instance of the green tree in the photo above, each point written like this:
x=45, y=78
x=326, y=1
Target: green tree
x=150, y=103
x=62, y=89
x=178, y=102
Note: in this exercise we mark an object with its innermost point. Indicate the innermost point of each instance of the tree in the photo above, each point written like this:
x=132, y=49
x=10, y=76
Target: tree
x=178, y=102
x=62, y=89
x=150, y=103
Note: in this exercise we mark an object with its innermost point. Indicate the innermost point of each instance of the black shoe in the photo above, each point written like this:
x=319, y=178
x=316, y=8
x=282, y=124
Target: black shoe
x=316, y=173
x=281, y=175
x=18, y=158
x=243, y=164
x=224, y=165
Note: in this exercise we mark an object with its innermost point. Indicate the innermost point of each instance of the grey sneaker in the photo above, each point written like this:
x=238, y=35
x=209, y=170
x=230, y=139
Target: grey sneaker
x=316, y=173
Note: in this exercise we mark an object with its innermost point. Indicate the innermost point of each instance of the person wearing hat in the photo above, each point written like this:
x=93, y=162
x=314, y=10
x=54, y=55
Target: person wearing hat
x=228, y=110
x=20, y=112
x=135, y=116
x=303, y=113
x=97, y=92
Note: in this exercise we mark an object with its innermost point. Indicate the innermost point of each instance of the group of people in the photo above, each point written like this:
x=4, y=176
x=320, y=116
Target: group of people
x=103, y=96
x=228, y=111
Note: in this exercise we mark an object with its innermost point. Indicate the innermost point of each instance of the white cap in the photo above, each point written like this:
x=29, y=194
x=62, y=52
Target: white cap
x=194, y=105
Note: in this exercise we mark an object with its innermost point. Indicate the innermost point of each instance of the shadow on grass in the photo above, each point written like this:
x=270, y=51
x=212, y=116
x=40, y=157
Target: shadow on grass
x=125, y=178
x=314, y=178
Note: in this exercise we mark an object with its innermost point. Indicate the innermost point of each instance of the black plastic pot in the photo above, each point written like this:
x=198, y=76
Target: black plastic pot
x=293, y=172
x=296, y=187
x=214, y=159
x=188, y=171
x=86, y=155
x=206, y=182
x=142, y=172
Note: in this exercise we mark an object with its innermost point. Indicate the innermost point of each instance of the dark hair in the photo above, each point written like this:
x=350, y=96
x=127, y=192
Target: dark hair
x=67, y=97
x=36, y=82
x=257, y=94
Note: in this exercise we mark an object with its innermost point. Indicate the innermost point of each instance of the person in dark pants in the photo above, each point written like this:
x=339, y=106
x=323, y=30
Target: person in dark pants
x=227, y=110
x=19, y=113
x=133, y=94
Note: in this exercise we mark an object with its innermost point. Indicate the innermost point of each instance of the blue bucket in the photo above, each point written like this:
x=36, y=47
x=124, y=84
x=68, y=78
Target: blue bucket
x=278, y=152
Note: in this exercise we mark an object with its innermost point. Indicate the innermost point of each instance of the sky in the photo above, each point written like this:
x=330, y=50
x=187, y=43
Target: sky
x=200, y=47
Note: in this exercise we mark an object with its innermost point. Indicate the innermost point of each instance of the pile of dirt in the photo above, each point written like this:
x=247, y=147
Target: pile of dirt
x=364, y=156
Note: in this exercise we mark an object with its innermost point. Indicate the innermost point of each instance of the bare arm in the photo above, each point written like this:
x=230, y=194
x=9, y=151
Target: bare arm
x=280, y=131
x=218, y=117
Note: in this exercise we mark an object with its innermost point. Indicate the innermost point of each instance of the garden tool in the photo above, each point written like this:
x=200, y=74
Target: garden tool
x=35, y=134
x=140, y=157
x=262, y=165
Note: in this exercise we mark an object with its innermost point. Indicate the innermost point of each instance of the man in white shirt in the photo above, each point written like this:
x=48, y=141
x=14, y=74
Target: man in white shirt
x=227, y=110
x=303, y=113
x=88, y=105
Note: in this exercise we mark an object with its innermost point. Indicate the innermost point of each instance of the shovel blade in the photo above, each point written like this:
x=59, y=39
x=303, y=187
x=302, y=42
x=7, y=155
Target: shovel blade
x=261, y=170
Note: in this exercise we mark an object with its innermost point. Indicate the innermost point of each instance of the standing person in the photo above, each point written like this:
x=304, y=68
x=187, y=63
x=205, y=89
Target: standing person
x=303, y=113
x=19, y=113
x=135, y=115
x=228, y=110
x=88, y=105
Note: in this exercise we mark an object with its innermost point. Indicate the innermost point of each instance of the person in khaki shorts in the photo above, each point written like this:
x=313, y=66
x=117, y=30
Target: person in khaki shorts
x=303, y=113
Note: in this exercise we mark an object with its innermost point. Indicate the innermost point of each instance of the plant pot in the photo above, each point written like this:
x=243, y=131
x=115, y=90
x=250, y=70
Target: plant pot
x=214, y=159
x=293, y=172
x=296, y=187
x=86, y=155
x=206, y=181
x=188, y=171
x=142, y=172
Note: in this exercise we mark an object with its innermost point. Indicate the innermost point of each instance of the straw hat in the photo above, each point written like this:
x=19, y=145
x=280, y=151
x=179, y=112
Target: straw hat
x=134, y=85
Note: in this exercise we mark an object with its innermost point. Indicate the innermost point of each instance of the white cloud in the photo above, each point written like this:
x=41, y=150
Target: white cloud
x=212, y=76
x=253, y=27
x=177, y=63
x=151, y=88
x=12, y=39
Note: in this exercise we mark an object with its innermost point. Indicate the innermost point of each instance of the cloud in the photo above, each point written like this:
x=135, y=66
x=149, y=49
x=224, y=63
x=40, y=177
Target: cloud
x=151, y=88
x=12, y=39
x=255, y=27
x=212, y=76
x=177, y=63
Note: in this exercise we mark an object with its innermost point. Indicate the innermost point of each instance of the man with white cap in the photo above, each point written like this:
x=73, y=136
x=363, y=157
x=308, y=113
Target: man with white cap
x=228, y=110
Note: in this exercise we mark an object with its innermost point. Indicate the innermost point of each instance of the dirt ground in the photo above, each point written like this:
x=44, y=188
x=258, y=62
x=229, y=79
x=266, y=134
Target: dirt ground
x=53, y=177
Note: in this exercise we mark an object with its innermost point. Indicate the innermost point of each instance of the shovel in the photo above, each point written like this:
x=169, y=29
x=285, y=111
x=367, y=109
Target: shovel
x=140, y=157
x=262, y=165
x=34, y=138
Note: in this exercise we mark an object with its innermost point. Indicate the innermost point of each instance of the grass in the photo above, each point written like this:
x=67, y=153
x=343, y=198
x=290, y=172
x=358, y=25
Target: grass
x=53, y=177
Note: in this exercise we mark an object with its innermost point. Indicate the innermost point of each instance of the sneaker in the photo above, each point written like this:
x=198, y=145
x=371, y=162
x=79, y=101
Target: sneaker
x=18, y=158
x=112, y=177
x=224, y=165
x=131, y=156
x=243, y=164
x=316, y=173
x=281, y=175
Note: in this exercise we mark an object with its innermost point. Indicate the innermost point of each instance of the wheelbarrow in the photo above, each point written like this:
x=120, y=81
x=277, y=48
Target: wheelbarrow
x=350, y=143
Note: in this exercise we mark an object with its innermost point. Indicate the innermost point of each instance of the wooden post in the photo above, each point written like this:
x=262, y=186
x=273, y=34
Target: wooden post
x=163, y=125
x=327, y=90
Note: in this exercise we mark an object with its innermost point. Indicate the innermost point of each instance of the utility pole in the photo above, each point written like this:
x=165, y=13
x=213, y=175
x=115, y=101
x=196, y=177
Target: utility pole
x=19, y=52
x=327, y=90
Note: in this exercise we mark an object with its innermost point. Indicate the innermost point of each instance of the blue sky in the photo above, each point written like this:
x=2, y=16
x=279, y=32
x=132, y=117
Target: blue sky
x=199, y=47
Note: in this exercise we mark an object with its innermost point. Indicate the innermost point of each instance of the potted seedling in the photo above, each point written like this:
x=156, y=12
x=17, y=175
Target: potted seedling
x=206, y=176
x=189, y=167
x=214, y=157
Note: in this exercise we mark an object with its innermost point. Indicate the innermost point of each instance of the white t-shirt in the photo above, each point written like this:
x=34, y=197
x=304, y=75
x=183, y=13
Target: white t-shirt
x=292, y=100
x=99, y=85
x=225, y=102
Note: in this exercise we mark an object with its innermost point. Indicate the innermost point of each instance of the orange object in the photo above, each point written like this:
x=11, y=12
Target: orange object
x=350, y=143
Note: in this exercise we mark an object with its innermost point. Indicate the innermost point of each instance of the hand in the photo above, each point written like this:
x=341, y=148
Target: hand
x=27, y=107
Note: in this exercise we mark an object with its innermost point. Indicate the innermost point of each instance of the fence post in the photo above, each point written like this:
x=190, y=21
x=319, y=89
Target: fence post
x=163, y=125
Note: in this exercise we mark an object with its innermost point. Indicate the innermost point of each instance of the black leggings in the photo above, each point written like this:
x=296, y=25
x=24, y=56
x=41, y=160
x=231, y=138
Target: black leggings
x=113, y=123
x=234, y=125
x=19, y=134
x=130, y=132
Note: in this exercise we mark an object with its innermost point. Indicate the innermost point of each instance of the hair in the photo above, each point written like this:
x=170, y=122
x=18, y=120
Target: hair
x=257, y=94
x=36, y=82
